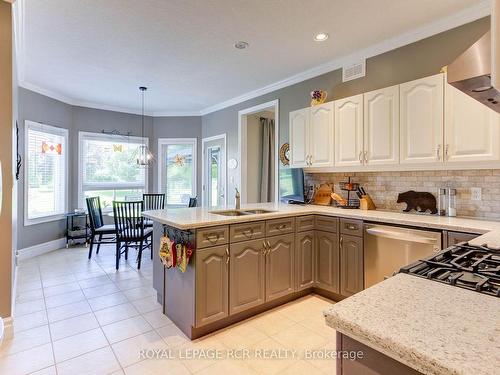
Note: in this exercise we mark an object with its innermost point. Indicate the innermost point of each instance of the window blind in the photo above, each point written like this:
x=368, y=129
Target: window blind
x=46, y=178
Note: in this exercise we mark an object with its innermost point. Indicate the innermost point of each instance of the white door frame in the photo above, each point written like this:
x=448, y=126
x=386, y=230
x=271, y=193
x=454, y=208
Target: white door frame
x=169, y=141
x=204, y=141
x=242, y=123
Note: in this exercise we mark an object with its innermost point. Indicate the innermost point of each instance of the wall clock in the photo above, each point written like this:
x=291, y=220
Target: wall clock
x=285, y=153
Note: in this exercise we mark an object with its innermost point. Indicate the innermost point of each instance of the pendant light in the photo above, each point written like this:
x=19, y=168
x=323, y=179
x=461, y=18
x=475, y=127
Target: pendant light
x=144, y=156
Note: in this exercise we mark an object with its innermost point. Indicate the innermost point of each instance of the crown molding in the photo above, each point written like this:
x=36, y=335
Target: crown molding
x=470, y=14
x=480, y=10
x=177, y=114
x=80, y=103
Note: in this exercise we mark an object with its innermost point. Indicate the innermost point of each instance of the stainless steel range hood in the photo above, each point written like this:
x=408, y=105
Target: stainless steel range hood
x=476, y=72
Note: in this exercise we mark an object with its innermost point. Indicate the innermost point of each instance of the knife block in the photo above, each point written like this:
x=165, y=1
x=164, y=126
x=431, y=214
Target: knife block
x=366, y=203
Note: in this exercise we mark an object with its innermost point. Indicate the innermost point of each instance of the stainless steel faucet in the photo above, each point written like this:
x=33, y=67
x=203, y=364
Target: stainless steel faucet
x=237, y=199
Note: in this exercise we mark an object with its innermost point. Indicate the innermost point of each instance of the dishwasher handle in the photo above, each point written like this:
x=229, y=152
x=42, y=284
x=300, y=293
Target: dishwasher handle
x=408, y=237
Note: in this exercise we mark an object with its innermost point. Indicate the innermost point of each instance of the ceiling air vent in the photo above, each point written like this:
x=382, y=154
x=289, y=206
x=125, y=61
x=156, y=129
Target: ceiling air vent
x=354, y=71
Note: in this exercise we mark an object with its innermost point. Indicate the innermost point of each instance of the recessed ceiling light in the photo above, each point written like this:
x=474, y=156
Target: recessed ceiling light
x=320, y=37
x=241, y=45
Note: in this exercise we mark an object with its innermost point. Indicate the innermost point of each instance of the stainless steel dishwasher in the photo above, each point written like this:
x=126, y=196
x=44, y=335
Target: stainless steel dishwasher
x=388, y=248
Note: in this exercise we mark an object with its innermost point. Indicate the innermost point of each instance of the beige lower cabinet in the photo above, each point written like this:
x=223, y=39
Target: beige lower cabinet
x=305, y=243
x=327, y=261
x=351, y=264
x=212, y=275
x=246, y=275
x=280, y=266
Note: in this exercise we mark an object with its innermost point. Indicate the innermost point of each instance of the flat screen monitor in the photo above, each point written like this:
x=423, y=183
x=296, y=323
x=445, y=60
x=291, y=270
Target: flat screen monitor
x=292, y=185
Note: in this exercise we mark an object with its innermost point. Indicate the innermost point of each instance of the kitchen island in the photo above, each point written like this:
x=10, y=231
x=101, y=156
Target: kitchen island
x=246, y=263
x=429, y=327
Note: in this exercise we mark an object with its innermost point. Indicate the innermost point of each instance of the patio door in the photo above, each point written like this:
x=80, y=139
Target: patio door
x=214, y=171
x=177, y=170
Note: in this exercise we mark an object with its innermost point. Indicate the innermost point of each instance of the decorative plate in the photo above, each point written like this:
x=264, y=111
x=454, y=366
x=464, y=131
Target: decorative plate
x=285, y=153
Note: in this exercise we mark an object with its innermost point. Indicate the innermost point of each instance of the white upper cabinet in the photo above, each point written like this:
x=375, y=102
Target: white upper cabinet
x=348, y=122
x=421, y=120
x=381, y=126
x=299, y=138
x=472, y=130
x=321, y=135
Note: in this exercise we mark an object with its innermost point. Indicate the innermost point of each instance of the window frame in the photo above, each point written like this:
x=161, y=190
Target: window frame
x=54, y=130
x=176, y=141
x=82, y=136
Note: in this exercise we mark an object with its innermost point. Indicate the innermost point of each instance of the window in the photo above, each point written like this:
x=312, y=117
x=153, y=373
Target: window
x=177, y=170
x=108, y=169
x=46, y=181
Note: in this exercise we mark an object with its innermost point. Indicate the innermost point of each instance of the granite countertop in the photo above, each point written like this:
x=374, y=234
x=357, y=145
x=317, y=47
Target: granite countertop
x=192, y=218
x=429, y=326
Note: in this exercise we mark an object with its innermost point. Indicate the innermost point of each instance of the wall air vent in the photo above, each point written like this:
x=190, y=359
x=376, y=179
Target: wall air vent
x=354, y=71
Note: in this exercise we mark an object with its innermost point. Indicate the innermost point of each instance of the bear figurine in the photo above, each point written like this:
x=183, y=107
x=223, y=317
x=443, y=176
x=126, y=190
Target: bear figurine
x=419, y=201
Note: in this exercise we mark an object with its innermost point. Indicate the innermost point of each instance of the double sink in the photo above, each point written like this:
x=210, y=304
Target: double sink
x=241, y=212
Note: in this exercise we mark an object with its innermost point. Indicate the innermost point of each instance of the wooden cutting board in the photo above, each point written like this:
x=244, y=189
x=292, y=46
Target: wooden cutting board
x=323, y=195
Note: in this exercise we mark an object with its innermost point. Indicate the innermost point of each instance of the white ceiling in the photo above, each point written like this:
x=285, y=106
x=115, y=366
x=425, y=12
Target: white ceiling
x=97, y=52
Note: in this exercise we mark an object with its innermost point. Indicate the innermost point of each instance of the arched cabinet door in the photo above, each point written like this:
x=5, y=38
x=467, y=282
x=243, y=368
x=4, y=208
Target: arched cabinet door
x=472, y=130
x=246, y=275
x=421, y=120
x=321, y=135
x=327, y=261
x=280, y=266
x=348, y=124
x=381, y=126
x=211, y=284
x=299, y=138
x=304, y=259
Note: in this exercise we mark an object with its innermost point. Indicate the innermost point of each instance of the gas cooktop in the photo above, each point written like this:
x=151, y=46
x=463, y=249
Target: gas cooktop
x=471, y=267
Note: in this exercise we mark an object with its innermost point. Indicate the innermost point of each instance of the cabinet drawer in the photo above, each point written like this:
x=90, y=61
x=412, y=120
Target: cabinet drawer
x=326, y=223
x=212, y=236
x=351, y=227
x=305, y=223
x=247, y=231
x=280, y=226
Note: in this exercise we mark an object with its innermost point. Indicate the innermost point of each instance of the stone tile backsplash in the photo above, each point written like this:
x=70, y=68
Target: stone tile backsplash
x=384, y=187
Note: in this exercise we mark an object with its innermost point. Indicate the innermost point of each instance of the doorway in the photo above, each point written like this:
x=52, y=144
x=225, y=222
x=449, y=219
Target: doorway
x=214, y=171
x=258, y=148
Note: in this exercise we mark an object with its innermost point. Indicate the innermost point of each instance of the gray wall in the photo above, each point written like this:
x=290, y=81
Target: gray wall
x=177, y=127
x=36, y=107
x=39, y=108
x=95, y=120
x=416, y=60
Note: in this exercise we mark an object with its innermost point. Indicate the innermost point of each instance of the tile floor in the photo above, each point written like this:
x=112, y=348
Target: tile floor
x=75, y=316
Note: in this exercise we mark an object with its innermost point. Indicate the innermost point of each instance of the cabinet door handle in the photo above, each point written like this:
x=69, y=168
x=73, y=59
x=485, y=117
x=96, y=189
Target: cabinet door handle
x=248, y=233
x=212, y=238
x=360, y=157
x=341, y=241
x=268, y=245
x=264, y=248
x=365, y=154
x=227, y=255
x=281, y=226
x=446, y=148
x=438, y=152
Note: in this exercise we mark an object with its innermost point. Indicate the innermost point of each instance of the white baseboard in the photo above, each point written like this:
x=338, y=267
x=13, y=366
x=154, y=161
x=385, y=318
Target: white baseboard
x=40, y=249
x=6, y=329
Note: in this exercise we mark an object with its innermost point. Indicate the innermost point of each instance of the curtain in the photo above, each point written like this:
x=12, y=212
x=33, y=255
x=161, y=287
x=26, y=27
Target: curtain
x=268, y=156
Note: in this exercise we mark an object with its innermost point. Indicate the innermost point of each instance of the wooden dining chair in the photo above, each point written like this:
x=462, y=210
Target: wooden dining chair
x=193, y=202
x=130, y=230
x=152, y=202
x=99, y=232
